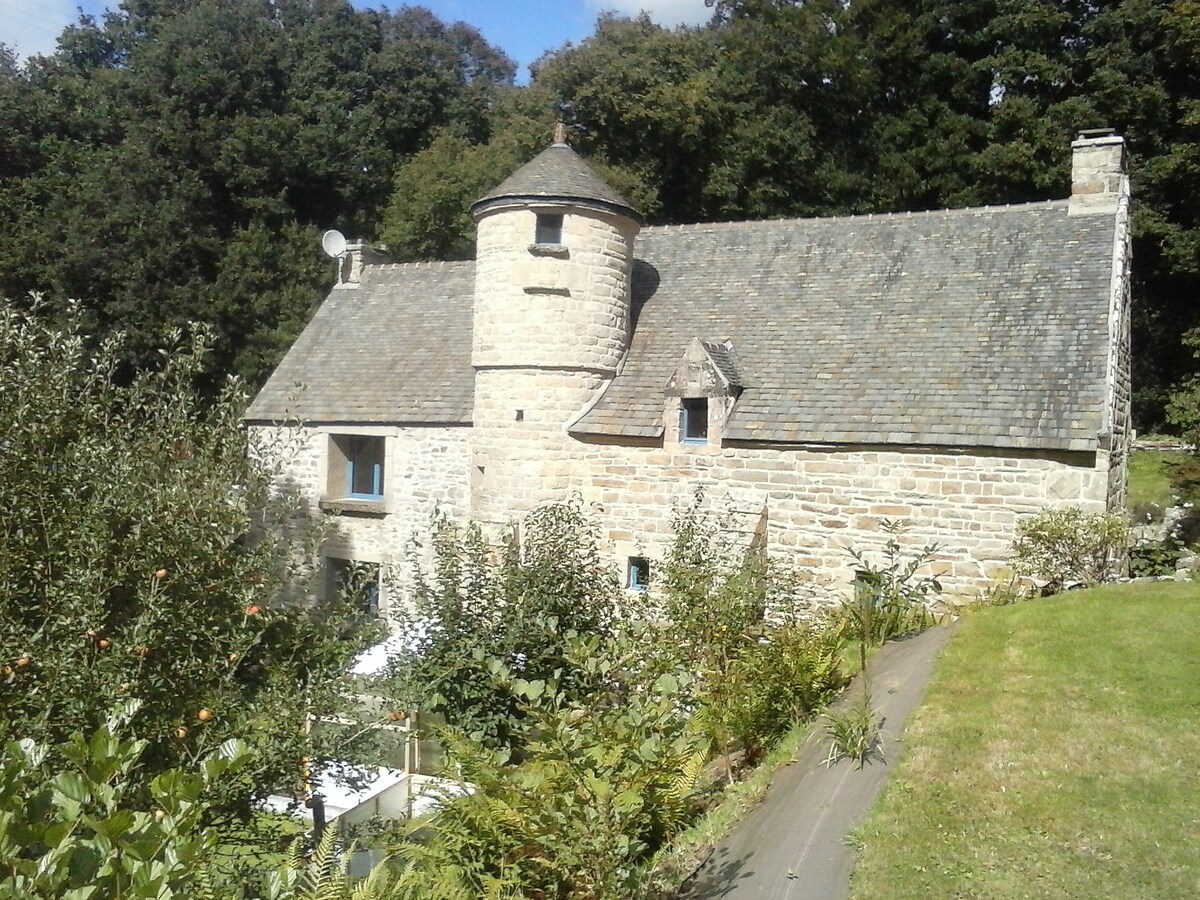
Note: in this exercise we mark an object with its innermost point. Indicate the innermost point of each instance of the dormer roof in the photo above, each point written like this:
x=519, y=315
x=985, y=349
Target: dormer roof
x=557, y=175
x=706, y=369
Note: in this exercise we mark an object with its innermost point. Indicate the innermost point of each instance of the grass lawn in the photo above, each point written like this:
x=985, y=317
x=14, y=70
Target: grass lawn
x=1057, y=754
x=1149, y=478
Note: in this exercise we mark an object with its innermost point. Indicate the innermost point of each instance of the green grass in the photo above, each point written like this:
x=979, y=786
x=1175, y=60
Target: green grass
x=1057, y=754
x=1149, y=478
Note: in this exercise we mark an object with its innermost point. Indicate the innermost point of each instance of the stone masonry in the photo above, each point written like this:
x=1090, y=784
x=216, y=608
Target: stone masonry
x=954, y=371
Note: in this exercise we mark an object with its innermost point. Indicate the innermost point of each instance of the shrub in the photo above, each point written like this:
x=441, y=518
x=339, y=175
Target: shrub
x=714, y=596
x=547, y=584
x=81, y=831
x=1061, y=546
x=892, y=599
x=1155, y=557
x=601, y=785
x=791, y=670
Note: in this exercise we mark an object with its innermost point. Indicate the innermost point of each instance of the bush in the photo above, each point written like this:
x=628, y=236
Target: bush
x=791, y=670
x=892, y=599
x=602, y=784
x=81, y=831
x=1068, y=545
x=1150, y=558
x=714, y=597
x=521, y=609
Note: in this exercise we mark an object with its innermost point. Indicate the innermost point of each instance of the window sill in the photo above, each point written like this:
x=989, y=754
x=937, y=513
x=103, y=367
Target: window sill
x=352, y=506
x=558, y=251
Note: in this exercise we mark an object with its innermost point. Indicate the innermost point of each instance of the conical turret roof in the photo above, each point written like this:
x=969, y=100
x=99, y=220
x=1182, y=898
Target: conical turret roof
x=558, y=175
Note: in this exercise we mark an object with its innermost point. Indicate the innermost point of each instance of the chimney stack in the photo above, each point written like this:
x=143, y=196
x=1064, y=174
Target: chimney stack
x=357, y=256
x=1098, y=176
x=560, y=133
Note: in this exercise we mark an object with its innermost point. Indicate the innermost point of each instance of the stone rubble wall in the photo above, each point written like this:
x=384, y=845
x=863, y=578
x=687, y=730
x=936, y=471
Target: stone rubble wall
x=820, y=502
x=425, y=472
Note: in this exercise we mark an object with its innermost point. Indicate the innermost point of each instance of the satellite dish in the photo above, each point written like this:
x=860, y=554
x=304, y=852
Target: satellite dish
x=333, y=242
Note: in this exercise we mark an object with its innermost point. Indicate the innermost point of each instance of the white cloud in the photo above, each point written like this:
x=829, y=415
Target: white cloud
x=663, y=12
x=32, y=26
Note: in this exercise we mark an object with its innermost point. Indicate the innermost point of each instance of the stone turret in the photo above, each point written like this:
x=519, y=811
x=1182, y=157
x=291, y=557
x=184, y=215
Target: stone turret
x=554, y=254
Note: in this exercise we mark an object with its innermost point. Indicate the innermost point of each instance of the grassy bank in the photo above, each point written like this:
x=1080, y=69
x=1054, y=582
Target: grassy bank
x=1150, y=478
x=1057, y=755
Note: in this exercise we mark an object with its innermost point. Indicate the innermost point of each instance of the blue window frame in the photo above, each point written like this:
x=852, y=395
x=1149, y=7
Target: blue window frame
x=364, y=465
x=638, y=577
x=693, y=420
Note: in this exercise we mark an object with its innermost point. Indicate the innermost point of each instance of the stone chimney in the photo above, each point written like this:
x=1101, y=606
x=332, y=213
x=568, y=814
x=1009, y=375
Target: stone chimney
x=351, y=263
x=1098, y=176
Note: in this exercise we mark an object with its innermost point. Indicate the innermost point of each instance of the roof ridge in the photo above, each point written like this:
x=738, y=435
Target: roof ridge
x=907, y=214
x=420, y=264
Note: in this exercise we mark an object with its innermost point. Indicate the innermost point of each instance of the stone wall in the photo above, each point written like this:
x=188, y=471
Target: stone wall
x=564, y=307
x=425, y=469
x=520, y=453
x=819, y=502
x=816, y=502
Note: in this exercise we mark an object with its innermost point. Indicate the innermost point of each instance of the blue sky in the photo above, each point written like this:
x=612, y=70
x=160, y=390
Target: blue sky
x=525, y=29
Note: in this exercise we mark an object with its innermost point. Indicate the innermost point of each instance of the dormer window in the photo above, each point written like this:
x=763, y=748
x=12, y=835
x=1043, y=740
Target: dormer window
x=549, y=229
x=693, y=420
x=701, y=394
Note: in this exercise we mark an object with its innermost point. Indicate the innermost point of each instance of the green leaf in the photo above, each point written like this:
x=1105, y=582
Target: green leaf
x=70, y=793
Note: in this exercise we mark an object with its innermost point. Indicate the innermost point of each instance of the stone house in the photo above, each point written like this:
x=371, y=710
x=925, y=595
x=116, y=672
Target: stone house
x=956, y=369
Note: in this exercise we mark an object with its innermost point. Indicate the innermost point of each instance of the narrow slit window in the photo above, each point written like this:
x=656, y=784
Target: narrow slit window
x=638, y=578
x=549, y=229
x=693, y=421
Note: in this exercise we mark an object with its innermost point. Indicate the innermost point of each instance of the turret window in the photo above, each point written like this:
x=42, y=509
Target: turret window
x=549, y=229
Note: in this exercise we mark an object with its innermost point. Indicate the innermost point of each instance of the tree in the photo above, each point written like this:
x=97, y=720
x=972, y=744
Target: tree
x=146, y=158
x=140, y=560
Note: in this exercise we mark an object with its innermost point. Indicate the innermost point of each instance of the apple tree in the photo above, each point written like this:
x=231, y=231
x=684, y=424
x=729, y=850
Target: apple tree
x=140, y=560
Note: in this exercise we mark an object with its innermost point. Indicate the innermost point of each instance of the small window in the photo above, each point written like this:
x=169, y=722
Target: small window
x=360, y=460
x=549, y=229
x=638, y=578
x=357, y=583
x=693, y=421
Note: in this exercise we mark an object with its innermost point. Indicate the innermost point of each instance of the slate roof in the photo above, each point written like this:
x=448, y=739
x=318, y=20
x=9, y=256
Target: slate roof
x=397, y=349
x=978, y=327
x=724, y=357
x=556, y=174
x=966, y=328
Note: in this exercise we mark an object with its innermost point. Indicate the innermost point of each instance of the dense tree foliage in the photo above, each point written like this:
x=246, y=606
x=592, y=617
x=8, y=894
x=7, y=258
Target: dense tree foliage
x=140, y=560
x=177, y=160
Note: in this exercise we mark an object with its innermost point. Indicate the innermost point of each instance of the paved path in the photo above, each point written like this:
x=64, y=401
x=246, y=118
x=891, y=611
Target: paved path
x=793, y=846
